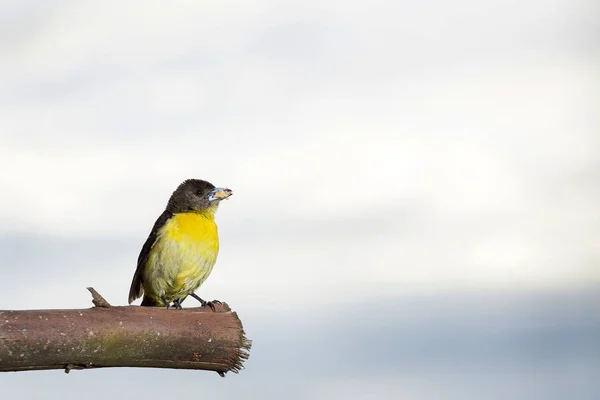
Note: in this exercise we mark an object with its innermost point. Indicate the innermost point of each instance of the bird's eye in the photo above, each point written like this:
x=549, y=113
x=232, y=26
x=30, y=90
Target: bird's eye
x=200, y=193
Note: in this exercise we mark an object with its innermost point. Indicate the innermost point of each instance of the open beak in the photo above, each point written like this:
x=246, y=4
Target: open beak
x=218, y=194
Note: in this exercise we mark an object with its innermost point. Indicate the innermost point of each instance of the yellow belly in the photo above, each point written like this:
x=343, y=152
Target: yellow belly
x=182, y=257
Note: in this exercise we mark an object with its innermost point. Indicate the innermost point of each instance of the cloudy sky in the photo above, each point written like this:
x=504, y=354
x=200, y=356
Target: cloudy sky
x=416, y=186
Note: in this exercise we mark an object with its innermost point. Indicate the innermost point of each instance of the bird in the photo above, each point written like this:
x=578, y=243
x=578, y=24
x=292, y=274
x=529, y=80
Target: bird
x=182, y=247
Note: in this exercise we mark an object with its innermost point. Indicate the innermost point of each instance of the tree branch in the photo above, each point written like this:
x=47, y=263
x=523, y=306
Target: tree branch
x=132, y=336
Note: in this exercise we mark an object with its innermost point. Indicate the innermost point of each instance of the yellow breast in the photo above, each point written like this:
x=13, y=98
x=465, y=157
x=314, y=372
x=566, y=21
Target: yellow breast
x=193, y=227
x=183, y=255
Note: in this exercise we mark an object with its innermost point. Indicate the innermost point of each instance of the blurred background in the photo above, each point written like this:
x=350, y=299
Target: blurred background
x=416, y=187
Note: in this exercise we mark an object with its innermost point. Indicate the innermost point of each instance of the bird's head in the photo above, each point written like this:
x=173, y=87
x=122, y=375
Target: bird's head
x=195, y=195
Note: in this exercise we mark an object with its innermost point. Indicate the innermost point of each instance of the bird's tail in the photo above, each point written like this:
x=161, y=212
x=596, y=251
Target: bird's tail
x=148, y=301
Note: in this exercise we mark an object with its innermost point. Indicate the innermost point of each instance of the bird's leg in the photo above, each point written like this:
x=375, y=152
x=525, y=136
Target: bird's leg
x=162, y=297
x=194, y=295
x=204, y=303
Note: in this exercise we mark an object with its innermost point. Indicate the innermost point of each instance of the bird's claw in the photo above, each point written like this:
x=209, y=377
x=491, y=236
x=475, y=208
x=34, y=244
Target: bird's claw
x=177, y=305
x=211, y=304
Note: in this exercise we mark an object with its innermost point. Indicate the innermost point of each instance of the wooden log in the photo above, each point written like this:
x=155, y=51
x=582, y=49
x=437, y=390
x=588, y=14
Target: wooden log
x=132, y=336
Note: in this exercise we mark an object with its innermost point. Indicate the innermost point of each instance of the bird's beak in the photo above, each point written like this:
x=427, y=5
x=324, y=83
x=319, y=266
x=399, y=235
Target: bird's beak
x=218, y=194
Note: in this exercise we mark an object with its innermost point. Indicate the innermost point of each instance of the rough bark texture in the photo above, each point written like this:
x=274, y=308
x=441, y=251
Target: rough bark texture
x=106, y=336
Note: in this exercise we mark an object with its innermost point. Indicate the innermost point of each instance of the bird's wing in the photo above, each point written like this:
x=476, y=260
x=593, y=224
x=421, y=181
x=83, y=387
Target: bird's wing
x=136, y=289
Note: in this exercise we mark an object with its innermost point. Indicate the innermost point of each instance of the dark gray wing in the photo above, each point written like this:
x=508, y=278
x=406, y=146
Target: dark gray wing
x=136, y=289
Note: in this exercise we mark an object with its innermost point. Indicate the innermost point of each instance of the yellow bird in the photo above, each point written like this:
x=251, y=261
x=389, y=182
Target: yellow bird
x=182, y=247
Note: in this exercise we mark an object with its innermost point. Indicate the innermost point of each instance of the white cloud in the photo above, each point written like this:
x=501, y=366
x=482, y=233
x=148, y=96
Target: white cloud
x=456, y=162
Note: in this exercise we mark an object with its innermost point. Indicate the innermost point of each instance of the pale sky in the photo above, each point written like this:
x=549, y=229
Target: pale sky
x=376, y=150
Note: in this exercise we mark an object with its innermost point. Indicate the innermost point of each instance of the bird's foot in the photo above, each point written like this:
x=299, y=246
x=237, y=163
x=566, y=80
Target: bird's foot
x=177, y=304
x=211, y=304
x=164, y=301
x=205, y=303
